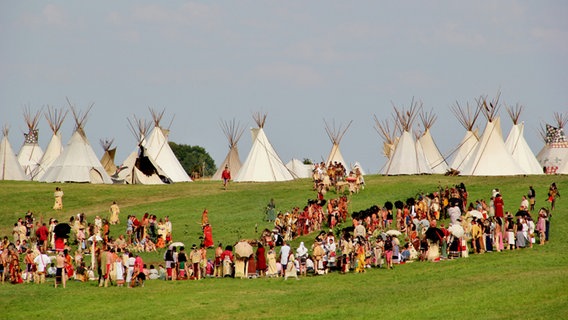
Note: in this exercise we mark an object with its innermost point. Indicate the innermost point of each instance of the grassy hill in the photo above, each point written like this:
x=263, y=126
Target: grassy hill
x=529, y=283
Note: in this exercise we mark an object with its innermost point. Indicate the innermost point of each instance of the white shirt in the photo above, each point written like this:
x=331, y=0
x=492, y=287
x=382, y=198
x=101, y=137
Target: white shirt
x=42, y=261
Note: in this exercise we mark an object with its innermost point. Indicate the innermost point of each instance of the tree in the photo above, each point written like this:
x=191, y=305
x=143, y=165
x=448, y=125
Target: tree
x=194, y=159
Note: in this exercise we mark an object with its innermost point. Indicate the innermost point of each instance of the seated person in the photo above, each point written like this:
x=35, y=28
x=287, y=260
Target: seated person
x=51, y=270
x=81, y=274
x=153, y=274
x=405, y=254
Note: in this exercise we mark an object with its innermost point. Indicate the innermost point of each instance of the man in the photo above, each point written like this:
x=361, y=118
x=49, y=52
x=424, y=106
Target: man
x=195, y=257
x=532, y=198
x=284, y=253
x=42, y=262
x=226, y=176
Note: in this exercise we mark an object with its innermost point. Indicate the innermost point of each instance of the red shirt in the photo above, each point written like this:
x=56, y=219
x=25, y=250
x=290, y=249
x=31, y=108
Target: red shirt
x=42, y=233
x=226, y=174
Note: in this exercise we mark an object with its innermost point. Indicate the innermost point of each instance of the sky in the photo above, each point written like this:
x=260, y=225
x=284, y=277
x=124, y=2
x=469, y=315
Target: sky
x=300, y=62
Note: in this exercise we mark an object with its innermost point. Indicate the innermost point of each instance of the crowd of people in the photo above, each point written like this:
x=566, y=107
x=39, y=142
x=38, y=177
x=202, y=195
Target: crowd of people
x=380, y=236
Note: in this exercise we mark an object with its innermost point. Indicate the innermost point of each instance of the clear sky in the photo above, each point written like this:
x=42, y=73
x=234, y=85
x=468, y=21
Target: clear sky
x=298, y=61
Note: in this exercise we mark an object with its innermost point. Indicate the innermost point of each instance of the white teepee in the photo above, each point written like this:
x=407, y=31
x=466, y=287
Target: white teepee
x=299, y=169
x=262, y=163
x=553, y=157
x=465, y=149
x=158, y=148
x=518, y=146
x=233, y=131
x=78, y=162
x=490, y=157
x=30, y=153
x=10, y=168
x=335, y=134
x=55, y=119
x=388, y=134
x=435, y=159
x=107, y=160
x=407, y=157
x=139, y=168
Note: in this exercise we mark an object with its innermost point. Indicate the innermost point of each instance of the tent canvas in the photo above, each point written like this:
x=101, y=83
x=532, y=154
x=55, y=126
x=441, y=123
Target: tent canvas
x=233, y=131
x=30, y=153
x=518, y=146
x=335, y=134
x=299, y=169
x=107, y=160
x=10, y=168
x=467, y=118
x=490, y=157
x=433, y=156
x=262, y=163
x=553, y=157
x=78, y=162
x=158, y=148
x=55, y=119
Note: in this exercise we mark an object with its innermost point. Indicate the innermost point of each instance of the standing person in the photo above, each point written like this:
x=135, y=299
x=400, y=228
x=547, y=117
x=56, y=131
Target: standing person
x=226, y=176
x=271, y=211
x=114, y=212
x=524, y=203
x=532, y=198
x=302, y=255
x=42, y=234
x=195, y=257
x=388, y=251
x=271, y=258
x=499, y=205
x=58, y=194
x=261, y=260
x=284, y=253
x=42, y=261
x=552, y=195
x=290, y=270
x=60, y=272
x=218, y=261
x=208, y=236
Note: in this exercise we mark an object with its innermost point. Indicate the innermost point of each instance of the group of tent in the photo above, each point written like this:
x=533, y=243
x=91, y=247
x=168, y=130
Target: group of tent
x=154, y=162
x=488, y=154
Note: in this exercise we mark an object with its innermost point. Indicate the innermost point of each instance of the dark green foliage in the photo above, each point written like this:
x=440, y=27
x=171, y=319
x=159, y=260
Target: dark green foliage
x=194, y=159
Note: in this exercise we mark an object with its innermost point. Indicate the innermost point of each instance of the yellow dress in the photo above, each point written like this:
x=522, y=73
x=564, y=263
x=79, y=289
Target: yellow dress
x=58, y=200
x=114, y=211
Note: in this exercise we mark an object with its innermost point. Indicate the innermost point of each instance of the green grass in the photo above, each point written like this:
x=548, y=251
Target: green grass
x=527, y=284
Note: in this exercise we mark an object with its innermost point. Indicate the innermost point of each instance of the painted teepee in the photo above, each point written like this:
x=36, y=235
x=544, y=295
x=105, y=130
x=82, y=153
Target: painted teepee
x=158, y=148
x=467, y=118
x=233, y=131
x=262, y=163
x=518, y=146
x=107, y=160
x=435, y=159
x=30, y=153
x=553, y=157
x=407, y=158
x=139, y=167
x=55, y=118
x=78, y=162
x=490, y=157
x=10, y=168
x=335, y=134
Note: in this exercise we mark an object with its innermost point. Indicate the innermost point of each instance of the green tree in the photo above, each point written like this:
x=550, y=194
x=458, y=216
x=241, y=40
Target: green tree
x=194, y=159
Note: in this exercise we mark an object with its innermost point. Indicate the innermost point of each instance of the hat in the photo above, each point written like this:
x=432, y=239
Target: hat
x=193, y=246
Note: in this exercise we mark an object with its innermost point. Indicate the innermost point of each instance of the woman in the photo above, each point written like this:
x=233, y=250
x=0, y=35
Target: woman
x=541, y=226
x=510, y=230
x=521, y=241
x=388, y=251
x=58, y=194
x=360, y=252
x=498, y=234
x=291, y=270
x=208, y=236
x=114, y=211
x=261, y=260
x=271, y=258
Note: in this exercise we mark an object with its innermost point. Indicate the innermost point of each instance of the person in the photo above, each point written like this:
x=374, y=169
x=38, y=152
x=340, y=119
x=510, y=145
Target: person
x=532, y=198
x=114, y=212
x=270, y=211
x=541, y=225
x=42, y=235
x=182, y=264
x=499, y=205
x=261, y=260
x=195, y=258
x=388, y=251
x=290, y=270
x=302, y=255
x=60, y=271
x=208, y=236
x=552, y=195
x=524, y=203
x=58, y=194
x=153, y=274
x=271, y=258
x=227, y=259
x=226, y=176
x=284, y=253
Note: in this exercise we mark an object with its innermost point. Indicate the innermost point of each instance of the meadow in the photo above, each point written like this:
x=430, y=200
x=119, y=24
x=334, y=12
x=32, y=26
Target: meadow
x=523, y=284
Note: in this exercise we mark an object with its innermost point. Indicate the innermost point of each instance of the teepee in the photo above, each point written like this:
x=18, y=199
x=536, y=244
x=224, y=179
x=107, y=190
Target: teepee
x=30, y=154
x=435, y=159
x=10, y=168
x=107, y=160
x=407, y=158
x=335, y=134
x=262, y=163
x=158, y=148
x=518, y=146
x=388, y=134
x=490, y=157
x=233, y=131
x=300, y=169
x=55, y=119
x=139, y=168
x=467, y=118
x=78, y=162
x=553, y=157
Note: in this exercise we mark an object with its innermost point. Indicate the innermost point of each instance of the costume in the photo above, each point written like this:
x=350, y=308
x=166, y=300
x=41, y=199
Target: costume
x=58, y=194
x=499, y=204
x=208, y=236
x=260, y=259
x=271, y=258
x=114, y=211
